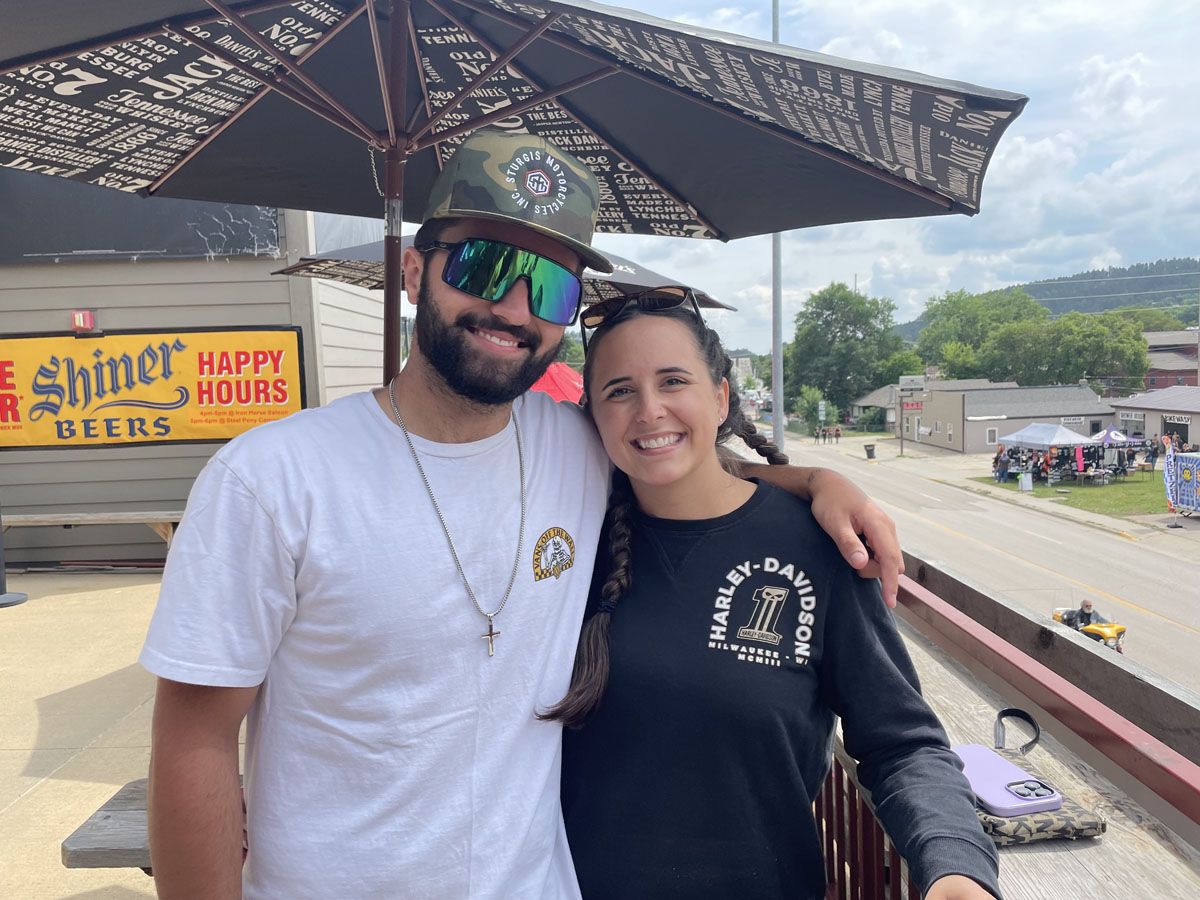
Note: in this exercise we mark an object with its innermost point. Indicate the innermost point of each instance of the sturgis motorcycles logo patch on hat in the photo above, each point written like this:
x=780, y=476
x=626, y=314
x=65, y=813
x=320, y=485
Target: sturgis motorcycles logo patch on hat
x=553, y=554
x=538, y=182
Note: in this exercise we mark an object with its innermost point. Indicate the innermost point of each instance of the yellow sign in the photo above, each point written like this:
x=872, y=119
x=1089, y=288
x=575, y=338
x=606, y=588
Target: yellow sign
x=145, y=387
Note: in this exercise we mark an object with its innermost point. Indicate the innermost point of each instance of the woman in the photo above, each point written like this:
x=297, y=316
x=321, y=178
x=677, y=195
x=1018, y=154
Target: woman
x=737, y=634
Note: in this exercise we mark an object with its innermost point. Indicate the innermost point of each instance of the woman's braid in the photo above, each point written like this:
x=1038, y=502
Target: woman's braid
x=590, y=674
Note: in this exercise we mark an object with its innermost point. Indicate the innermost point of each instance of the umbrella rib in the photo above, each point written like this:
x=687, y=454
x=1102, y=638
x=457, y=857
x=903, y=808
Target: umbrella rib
x=505, y=112
x=294, y=70
x=499, y=63
x=134, y=34
x=384, y=91
x=642, y=169
x=803, y=143
x=247, y=106
x=428, y=104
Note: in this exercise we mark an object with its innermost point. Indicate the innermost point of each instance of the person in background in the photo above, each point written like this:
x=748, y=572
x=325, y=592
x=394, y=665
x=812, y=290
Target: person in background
x=1084, y=616
x=723, y=636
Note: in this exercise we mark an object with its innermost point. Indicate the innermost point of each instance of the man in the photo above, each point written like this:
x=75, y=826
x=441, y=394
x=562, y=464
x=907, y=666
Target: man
x=389, y=587
x=1084, y=616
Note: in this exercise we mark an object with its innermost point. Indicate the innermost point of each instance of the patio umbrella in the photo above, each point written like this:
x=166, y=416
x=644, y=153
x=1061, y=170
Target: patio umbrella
x=1109, y=436
x=349, y=105
x=363, y=266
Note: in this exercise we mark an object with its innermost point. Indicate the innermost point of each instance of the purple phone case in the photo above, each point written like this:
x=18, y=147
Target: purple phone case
x=991, y=774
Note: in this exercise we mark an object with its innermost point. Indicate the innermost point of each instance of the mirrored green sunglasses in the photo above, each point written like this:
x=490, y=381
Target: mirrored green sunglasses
x=488, y=269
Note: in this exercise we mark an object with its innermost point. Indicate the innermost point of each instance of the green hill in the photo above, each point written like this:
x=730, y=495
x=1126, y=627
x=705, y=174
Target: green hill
x=1171, y=284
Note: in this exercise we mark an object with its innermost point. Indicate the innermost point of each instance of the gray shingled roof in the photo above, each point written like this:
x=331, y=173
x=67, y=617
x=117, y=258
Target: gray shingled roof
x=1169, y=338
x=1182, y=398
x=1172, y=361
x=879, y=397
x=884, y=396
x=967, y=384
x=1034, y=402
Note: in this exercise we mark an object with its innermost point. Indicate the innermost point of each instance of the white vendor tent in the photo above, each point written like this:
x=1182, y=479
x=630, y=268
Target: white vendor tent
x=1043, y=436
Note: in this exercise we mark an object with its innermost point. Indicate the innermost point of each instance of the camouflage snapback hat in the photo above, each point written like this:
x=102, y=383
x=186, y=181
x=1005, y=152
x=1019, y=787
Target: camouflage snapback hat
x=525, y=179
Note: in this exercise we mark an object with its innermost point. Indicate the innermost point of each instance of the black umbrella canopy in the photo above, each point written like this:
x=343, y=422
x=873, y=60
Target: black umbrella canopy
x=691, y=132
x=335, y=105
x=363, y=266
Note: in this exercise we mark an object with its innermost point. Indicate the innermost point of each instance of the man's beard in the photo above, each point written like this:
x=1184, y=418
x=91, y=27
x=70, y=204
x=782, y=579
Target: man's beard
x=468, y=372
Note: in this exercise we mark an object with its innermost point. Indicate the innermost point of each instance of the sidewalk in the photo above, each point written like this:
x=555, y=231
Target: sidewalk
x=958, y=469
x=74, y=725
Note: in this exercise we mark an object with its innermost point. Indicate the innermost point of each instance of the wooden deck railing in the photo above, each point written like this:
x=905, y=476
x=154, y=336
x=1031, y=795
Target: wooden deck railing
x=860, y=861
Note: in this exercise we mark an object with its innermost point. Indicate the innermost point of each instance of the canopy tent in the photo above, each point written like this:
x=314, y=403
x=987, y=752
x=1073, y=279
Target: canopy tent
x=1109, y=436
x=1043, y=436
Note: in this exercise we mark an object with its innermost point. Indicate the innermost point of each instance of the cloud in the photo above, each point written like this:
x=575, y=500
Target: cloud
x=1115, y=89
x=1098, y=170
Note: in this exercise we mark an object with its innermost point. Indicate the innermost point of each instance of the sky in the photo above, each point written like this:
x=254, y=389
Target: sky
x=1101, y=169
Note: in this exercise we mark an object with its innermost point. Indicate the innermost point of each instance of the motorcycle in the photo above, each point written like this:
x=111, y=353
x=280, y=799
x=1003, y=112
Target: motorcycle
x=1110, y=634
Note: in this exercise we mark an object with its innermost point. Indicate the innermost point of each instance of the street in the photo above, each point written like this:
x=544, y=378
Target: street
x=1144, y=578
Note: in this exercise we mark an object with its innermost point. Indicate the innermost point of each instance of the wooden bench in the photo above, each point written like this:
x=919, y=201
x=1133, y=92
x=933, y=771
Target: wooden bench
x=161, y=523
x=114, y=836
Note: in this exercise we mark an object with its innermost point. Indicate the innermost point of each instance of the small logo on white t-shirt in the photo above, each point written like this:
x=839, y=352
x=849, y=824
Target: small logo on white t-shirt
x=553, y=553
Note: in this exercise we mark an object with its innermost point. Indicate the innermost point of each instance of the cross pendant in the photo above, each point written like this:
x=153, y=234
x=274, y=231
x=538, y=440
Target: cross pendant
x=490, y=637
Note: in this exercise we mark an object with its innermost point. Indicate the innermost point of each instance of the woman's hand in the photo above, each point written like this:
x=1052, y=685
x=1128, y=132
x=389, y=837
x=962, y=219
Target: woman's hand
x=957, y=887
x=851, y=518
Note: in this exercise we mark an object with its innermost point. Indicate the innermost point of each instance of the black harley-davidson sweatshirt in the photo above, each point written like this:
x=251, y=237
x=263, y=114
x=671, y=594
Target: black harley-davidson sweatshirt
x=741, y=640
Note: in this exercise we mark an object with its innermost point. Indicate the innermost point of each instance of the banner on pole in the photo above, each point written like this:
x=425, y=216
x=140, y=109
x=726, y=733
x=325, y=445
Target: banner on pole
x=146, y=387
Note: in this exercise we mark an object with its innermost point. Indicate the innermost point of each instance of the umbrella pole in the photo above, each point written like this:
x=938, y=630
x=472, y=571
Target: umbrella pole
x=393, y=272
x=393, y=253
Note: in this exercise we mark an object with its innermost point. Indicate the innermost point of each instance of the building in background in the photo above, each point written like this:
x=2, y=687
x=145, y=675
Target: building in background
x=970, y=420
x=1172, y=410
x=160, y=264
x=1173, y=358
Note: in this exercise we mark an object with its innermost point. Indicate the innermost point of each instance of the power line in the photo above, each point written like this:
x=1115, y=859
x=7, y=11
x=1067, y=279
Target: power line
x=1112, y=278
x=1128, y=294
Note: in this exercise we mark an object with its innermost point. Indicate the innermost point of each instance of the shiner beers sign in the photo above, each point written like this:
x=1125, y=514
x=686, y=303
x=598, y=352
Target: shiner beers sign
x=145, y=387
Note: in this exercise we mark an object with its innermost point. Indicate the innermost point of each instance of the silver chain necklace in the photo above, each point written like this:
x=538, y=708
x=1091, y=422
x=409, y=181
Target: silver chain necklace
x=492, y=634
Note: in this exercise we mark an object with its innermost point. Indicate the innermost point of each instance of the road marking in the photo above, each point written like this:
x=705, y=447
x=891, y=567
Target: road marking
x=1099, y=592
x=931, y=497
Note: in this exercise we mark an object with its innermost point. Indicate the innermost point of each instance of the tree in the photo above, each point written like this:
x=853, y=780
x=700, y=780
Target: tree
x=1149, y=319
x=808, y=406
x=841, y=338
x=964, y=318
x=1018, y=351
x=571, y=351
x=762, y=368
x=1104, y=347
x=902, y=362
x=959, y=360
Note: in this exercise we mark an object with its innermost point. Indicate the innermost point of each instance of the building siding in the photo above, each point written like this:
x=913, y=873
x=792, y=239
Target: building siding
x=38, y=297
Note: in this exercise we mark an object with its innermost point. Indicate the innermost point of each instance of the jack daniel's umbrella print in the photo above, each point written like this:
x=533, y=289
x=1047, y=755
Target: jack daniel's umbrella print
x=334, y=104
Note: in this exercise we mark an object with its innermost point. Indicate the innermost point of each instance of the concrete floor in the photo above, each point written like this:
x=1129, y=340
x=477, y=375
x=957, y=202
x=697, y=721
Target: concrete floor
x=74, y=724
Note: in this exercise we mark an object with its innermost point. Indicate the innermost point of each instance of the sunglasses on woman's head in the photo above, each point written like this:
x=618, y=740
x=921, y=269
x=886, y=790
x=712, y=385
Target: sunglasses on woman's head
x=487, y=270
x=652, y=301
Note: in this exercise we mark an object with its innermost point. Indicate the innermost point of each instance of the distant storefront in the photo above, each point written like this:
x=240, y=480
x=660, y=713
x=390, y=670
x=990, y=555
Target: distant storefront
x=1173, y=410
x=971, y=421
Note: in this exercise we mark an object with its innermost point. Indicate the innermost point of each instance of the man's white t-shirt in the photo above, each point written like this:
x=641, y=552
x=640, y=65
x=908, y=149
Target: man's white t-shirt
x=387, y=754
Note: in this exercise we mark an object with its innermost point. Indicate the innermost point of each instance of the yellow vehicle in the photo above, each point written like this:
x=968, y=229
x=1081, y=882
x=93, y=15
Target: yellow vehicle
x=1110, y=634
